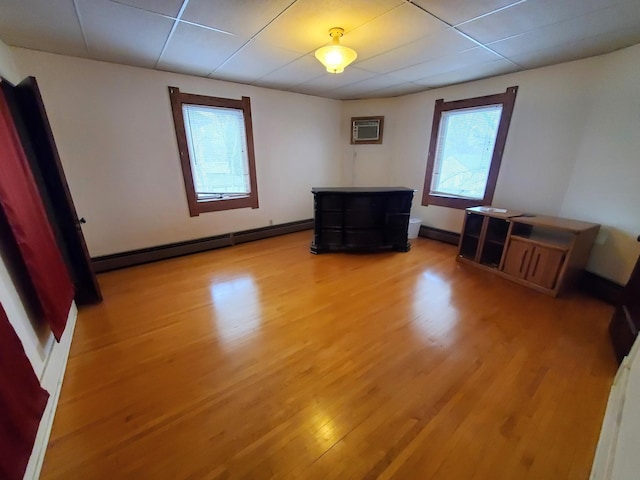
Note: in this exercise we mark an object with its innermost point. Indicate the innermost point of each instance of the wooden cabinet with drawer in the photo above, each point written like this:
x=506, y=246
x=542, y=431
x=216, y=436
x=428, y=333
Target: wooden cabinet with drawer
x=545, y=253
x=359, y=218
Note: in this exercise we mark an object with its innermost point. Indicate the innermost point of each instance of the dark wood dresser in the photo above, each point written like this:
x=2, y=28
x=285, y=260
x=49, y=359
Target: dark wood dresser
x=625, y=322
x=361, y=219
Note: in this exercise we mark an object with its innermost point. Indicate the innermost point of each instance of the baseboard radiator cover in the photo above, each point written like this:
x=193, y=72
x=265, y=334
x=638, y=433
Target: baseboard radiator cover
x=162, y=252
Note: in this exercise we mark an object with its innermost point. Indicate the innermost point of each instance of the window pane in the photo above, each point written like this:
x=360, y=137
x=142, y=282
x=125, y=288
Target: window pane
x=217, y=151
x=464, y=151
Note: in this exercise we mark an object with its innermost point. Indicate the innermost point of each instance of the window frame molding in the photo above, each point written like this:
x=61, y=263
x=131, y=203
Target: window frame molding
x=178, y=99
x=507, y=100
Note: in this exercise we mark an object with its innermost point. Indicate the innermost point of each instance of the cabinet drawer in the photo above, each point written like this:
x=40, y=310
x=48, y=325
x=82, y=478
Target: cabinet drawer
x=329, y=202
x=331, y=219
x=364, y=238
x=398, y=221
x=397, y=236
x=399, y=203
x=363, y=219
x=364, y=202
x=330, y=237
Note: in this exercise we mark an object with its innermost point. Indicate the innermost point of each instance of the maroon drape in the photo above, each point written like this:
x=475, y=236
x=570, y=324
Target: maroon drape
x=22, y=205
x=22, y=403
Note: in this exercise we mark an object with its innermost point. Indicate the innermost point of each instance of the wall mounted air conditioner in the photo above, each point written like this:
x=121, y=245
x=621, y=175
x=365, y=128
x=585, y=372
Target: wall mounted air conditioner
x=366, y=130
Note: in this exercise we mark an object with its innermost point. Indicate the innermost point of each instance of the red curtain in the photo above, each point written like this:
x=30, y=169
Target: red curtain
x=23, y=208
x=22, y=403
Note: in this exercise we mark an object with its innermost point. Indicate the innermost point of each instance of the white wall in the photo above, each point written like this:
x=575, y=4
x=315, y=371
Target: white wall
x=605, y=184
x=364, y=165
x=8, y=68
x=114, y=130
x=552, y=160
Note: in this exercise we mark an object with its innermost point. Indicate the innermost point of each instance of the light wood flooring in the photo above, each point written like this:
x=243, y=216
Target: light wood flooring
x=264, y=361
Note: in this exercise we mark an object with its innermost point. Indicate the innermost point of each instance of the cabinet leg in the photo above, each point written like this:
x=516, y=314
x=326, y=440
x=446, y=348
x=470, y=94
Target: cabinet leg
x=402, y=248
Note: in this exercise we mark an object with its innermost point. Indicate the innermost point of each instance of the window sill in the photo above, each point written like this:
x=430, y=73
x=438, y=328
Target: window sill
x=453, y=202
x=219, y=204
x=223, y=198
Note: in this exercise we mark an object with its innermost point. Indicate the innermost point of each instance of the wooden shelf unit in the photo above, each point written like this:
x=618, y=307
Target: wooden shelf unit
x=545, y=253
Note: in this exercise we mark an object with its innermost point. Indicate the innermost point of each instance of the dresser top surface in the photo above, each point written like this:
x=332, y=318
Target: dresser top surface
x=568, y=224
x=361, y=189
x=494, y=212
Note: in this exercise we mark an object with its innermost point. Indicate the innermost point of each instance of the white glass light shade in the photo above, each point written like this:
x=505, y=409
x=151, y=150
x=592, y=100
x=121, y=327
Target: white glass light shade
x=335, y=56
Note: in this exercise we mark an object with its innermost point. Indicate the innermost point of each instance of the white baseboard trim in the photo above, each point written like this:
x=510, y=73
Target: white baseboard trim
x=51, y=381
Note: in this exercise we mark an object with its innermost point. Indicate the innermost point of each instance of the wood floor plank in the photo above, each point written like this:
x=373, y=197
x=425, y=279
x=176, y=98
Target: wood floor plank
x=264, y=361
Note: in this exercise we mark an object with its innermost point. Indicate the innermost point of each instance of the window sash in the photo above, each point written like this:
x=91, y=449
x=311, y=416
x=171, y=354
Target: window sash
x=210, y=198
x=216, y=140
x=465, y=147
x=438, y=192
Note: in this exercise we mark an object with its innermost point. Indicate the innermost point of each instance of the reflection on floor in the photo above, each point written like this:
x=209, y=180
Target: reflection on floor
x=264, y=361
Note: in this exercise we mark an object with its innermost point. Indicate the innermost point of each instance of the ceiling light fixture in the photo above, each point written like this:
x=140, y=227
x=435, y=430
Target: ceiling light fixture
x=335, y=57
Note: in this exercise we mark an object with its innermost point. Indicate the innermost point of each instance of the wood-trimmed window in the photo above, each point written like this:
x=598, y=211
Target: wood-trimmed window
x=467, y=140
x=215, y=140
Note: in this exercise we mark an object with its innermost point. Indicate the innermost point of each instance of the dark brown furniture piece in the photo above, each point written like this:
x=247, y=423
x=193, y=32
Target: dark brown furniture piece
x=547, y=254
x=361, y=219
x=625, y=322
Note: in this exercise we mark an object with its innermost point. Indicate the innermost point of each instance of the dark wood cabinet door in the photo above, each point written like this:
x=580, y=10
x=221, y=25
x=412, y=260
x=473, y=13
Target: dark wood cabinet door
x=625, y=322
x=35, y=131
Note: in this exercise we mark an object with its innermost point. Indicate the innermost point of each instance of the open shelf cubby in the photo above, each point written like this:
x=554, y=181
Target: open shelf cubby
x=545, y=253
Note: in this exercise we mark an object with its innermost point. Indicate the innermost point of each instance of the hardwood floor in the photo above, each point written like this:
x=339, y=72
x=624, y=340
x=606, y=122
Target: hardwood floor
x=264, y=361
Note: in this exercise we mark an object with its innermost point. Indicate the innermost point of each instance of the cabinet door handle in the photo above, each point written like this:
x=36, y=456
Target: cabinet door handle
x=524, y=260
x=535, y=266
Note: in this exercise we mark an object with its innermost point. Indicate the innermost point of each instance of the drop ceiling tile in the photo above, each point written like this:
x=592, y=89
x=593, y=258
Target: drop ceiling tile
x=484, y=70
x=457, y=11
x=330, y=81
x=389, y=35
x=117, y=33
x=49, y=26
x=530, y=15
x=316, y=92
x=396, y=90
x=447, y=63
x=428, y=48
x=616, y=18
x=299, y=71
x=587, y=47
x=253, y=61
x=198, y=50
x=305, y=25
x=400, y=26
x=358, y=89
x=242, y=17
x=164, y=7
